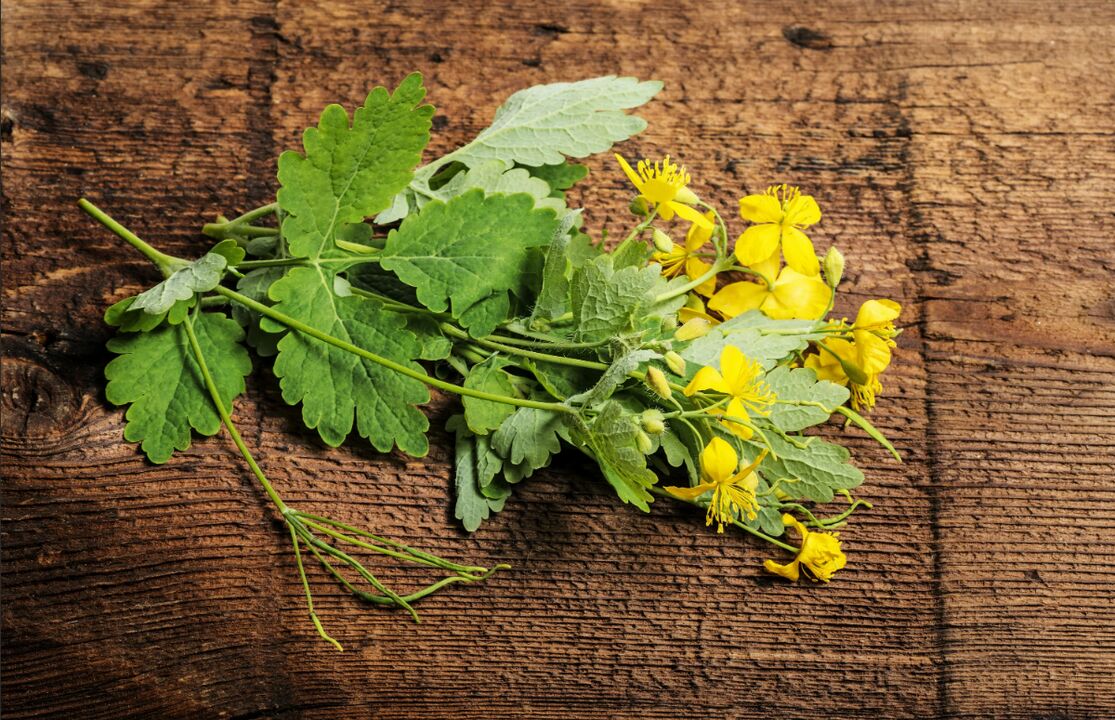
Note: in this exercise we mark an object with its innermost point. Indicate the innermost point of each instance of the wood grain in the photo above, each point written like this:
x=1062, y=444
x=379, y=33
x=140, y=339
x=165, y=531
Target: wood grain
x=963, y=155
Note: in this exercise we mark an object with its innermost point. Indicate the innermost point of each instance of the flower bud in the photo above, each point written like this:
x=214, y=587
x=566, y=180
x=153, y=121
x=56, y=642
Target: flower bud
x=639, y=207
x=834, y=266
x=653, y=421
x=646, y=445
x=662, y=242
x=656, y=381
x=676, y=363
x=693, y=329
x=687, y=196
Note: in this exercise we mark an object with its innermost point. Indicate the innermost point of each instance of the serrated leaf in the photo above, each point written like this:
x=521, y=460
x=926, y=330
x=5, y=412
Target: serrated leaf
x=553, y=298
x=472, y=506
x=814, y=472
x=559, y=177
x=767, y=350
x=608, y=303
x=201, y=275
x=462, y=251
x=483, y=416
x=351, y=172
x=544, y=124
x=616, y=374
x=264, y=339
x=495, y=177
x=334, y=385
x=528, y=438
x=435, y=346
x=612, y=439
x=158, y=375
x=801, y=385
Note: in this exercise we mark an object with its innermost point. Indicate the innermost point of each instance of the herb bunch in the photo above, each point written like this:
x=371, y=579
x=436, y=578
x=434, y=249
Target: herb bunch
x=686, y=370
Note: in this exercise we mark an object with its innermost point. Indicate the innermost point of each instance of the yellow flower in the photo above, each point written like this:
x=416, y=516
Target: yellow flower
x=780, y=213
x=684, y=258
x=695, y=308
x=874, y=334
x=820, y=555
x=827, y=365
x=733, y=490
x=793, y=296
x=739, y=379
x=664, y=185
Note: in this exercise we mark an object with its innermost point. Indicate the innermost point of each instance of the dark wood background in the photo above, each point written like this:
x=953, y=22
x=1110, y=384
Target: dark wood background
x=964, y=156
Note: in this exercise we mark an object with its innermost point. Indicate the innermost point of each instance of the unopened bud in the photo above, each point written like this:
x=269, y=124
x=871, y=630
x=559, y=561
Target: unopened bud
x=646, y=445
x=687, y=196
x=662, y=241
x=639, y=207
x=693, y=329
x=834, y=266
x=656, y=380
x=676, y=363
x=653, y=421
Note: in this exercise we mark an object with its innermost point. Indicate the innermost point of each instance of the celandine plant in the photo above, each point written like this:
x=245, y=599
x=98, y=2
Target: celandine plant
x=369, y=281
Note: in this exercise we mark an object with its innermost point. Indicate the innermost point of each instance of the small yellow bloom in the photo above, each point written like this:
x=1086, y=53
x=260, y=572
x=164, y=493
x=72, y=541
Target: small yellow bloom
x=820, y=555
x=685, y=258
x=874, y=334
x=663, y=184
x=733, y=490
x=792, y=296
x=695, y=308
x=741, y=380
x=827, y=365
x=780, y=215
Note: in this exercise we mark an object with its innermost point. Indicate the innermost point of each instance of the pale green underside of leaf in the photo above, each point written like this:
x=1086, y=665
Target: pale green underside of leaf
x=608, y=303
x=474, y=468
x=801, y=385
x=465, y=250
x=201, y=275
x=612, y=439
x=815, y=471
x=496, y=177
x=333, y=385
x=157, y=374
x=352, y=172
x=527, y=439
x=766, y=348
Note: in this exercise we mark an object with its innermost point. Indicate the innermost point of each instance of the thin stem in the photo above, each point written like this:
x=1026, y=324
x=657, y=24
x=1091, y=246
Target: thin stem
x=188, y=324
x=221, y=230
x=544, y=357
x=313, y=332
x=637, y=231
x=757, y=533
x=306, y=588
x=397, y=305
x=164, y=262
x=710, y=273
x=762, y=276
x=530, y=341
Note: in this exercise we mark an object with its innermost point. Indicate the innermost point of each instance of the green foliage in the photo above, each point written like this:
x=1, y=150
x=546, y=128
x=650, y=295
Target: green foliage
x=156, y=374
x=201, y=275
x=800, y=385
x=609, y=303
x=814, y=472
x=611, y=438
x=473, y=472
x=483, y=416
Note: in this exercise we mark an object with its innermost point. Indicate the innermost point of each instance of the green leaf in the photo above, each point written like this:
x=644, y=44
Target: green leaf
x=543, y=124
x=616, y=374
x=201, y=275
x=435, y=346
x=528, y=438
x=483, y=416
x=865, y=425
x=494, y=177
x=351, y=172
x=256, y=285
x=612, y=439
x=560, y=177
x=814, y=471
x=331, y=384
x=608, y=303
x=467, y=249
x=767, y=350
x=158, y=374
x=473, y=506
x=553, y=299
x=801, y=385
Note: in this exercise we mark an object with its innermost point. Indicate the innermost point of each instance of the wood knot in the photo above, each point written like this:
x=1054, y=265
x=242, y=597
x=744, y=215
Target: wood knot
x=36, y=403
x=806, y=38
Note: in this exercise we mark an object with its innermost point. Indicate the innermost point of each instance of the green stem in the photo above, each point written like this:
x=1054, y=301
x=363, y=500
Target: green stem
x=757, y=533
x=678, y=291
x=637, y=231
x=166, y=263
x=306, y=588
x=221, y=230
x=544, y=357
x=756, y=273
x=313, y=332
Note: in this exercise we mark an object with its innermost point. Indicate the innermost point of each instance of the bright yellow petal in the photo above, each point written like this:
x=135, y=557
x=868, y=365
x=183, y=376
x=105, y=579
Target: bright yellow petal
x=695, y=268
x=806, y=297
x=691, y=493
x=686, y=212
x=718, y=461
x=802, y=211
x=827, y=368
x=769, y=267
x=757, y=243
x=736, y=410
x=738, y=298
x=799, y=252
x=872, y=352
x=630, y=173
x=790, y=570
x=877, y=313
x=760, y=209
x=706, y=379
x=698, y=235
x=733, y=366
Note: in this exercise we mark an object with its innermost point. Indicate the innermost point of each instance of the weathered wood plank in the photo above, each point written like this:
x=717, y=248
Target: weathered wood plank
x=953, y=148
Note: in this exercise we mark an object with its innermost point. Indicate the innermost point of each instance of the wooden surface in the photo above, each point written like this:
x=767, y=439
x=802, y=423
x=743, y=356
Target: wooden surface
x=964, y=155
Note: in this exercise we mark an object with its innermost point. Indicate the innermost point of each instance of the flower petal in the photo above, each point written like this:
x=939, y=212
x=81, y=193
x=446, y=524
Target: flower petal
x=806, y=297
x=872, y=352
x=698, y=235
x=738, y=298
x=630, y=173
x=877, y=313
x=769, y=268
x=733, y=365
x=695, y=268
x=686, y=212
x=802, y=211
x=799, y=252
x=741, y=430
x=790, y=570
x=760, y=209
x=718, y=461
x=706, y=379
x=690, y=493
x=757, y=243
